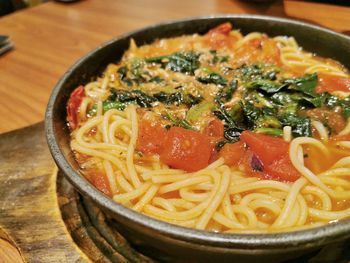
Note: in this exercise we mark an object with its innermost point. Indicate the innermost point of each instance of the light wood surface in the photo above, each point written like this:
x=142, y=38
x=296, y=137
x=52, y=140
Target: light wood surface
x=52, y=36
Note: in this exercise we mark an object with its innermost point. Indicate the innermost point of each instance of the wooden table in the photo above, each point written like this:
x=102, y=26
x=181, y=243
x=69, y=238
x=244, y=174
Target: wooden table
x=50, y=37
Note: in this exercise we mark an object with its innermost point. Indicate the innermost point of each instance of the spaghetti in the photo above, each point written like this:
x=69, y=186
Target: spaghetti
x=222, y=132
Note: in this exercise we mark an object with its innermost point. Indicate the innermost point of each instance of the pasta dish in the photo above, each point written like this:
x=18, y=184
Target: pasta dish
x=222, y=132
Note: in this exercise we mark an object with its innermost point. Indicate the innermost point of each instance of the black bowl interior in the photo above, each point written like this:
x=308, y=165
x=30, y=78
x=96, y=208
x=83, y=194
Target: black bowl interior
x=321, y=41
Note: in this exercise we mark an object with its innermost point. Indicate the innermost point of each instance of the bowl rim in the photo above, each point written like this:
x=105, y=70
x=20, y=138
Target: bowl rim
x=316, y=235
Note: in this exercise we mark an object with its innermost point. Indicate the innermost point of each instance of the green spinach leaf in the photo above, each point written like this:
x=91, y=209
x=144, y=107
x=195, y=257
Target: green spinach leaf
x=184, y=62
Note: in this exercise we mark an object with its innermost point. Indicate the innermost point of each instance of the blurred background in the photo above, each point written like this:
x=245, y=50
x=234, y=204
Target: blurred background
x=9, y=6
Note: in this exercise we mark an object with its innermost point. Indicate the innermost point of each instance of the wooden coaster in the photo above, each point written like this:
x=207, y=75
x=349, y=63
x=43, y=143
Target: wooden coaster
x=29, y=213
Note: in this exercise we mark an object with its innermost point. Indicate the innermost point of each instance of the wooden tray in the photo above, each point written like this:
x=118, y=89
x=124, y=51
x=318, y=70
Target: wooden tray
x=46, y=220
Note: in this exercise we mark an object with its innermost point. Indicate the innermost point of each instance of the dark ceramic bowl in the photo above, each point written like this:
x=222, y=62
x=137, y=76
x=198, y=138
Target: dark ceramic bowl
x=163, y=239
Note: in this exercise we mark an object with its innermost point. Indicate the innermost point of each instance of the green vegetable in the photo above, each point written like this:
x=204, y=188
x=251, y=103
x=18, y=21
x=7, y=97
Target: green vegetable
x=106, y=106
x=134, y=96
x=213, y=78
x=282, y=98
x=265, y=85
x=165, y=89
x=300, y=126
x=217, y=58
x=232, y=128
x=197, y=111
x=346, y=110
x=236, y=114
x=226, y=93
x=178, y=122
x=184, y=62
x=177, y=98
x=306, y=84
x=275, y=118
x=137, y=66
x=144, y=100
x=267, y=121
x=156, y=79
x=291, y=108
x=133, y=73
x=259, y=100
x=317, y=100
x=251, y=113
x=270, y=131
x=257, y=72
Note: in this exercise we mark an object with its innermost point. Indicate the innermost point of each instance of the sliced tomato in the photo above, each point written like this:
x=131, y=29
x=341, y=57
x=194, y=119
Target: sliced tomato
x=185, y=149
x=267, y=148
x=215, y=133
x=100, y=181
x=224, y=29
x=73, y=105
x=268, y=157
x=282, y=169
x=214, y=154
x=219, y=37
x=329, y=83
x=252, y=165
x=151, y=137
x=232, y=153
x=215, y=129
